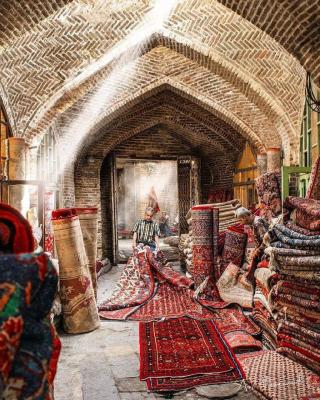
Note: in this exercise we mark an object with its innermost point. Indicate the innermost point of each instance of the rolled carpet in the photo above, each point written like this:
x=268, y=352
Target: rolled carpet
x=79, y=308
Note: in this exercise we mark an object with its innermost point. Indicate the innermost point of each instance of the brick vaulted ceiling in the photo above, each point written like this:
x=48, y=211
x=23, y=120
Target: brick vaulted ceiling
x=219, y=56
x=198, y=127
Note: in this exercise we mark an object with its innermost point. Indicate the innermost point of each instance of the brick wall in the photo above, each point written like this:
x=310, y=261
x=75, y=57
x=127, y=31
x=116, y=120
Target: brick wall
x=92, y=174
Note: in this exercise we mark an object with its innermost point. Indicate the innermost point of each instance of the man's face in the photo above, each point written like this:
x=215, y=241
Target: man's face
x=246, y=220
x=148, y=216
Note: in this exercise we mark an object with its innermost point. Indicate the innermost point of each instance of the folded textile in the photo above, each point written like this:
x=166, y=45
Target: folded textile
x=232, y=319
x=273, y=250
x=312, y=242
x=263, y=277
x=276, y=377
x=308, y=212
x=309, y=206
x=29, y=347
x=300, y=319
x=241, y=341
x=291, y=225
x=300, y=356
x=234, y=288
x=285, y=230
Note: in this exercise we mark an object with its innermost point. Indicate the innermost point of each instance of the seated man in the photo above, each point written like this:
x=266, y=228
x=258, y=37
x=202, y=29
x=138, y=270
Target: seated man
x=260, y=227
x=146, y=231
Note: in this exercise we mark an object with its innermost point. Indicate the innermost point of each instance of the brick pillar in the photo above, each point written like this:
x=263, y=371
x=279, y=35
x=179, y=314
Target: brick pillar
x=273, y=158
x=262, y=163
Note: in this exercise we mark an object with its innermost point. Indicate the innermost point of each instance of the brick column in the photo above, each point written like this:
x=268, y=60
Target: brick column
x=262, y=163
x=273, y=158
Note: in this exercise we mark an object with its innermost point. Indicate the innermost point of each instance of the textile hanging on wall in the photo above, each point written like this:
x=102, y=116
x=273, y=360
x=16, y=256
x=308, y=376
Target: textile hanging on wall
x=268, y=188
x=15, y=231
x=79, y=308
x=29, y=348
x=88, y=218
x=313, y=191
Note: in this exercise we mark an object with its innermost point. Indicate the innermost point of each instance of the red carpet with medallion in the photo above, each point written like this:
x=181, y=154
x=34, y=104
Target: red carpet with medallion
x=182, y=353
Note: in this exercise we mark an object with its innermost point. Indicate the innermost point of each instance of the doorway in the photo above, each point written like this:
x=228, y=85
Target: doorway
x=141, y=183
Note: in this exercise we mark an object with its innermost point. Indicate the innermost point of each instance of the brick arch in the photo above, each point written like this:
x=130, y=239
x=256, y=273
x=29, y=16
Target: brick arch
x=241, y=82
x=92, y=186
x=225, y=47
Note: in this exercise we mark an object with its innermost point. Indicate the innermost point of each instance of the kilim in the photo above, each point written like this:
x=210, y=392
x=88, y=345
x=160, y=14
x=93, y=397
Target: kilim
x=29, y=348
x=276, y=377
x=181, y=353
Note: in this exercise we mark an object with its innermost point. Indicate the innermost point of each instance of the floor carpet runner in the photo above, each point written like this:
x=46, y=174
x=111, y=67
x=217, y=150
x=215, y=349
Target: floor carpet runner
x=182, y=353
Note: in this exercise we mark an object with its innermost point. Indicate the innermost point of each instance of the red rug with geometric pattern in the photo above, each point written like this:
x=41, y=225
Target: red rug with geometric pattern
x=182, y=353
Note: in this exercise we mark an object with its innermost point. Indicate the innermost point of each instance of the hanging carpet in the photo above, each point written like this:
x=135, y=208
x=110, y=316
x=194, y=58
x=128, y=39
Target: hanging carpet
x=181, y=353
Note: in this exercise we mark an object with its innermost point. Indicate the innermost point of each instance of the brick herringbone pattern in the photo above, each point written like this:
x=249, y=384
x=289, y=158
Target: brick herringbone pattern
x=51, y=42
x=295, y=24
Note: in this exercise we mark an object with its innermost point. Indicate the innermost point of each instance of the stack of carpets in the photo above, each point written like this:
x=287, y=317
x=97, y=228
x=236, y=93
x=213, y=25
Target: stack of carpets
x=296, y=258
x=227, y=216
x=275, y=377
x=262, y=313
x=238, y=329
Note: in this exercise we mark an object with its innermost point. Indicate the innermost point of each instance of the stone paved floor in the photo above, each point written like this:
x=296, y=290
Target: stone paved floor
x=104, y=364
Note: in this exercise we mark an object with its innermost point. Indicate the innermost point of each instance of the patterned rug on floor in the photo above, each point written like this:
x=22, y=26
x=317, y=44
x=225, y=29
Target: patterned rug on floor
x=139, y=283
x=182, y=353
x=275, y=377
x=171, y=302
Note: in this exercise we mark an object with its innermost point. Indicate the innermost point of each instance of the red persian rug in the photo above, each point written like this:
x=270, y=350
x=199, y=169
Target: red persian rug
x=234, y=248
x=171, y=302
x=205, y=232
x=182, y=353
